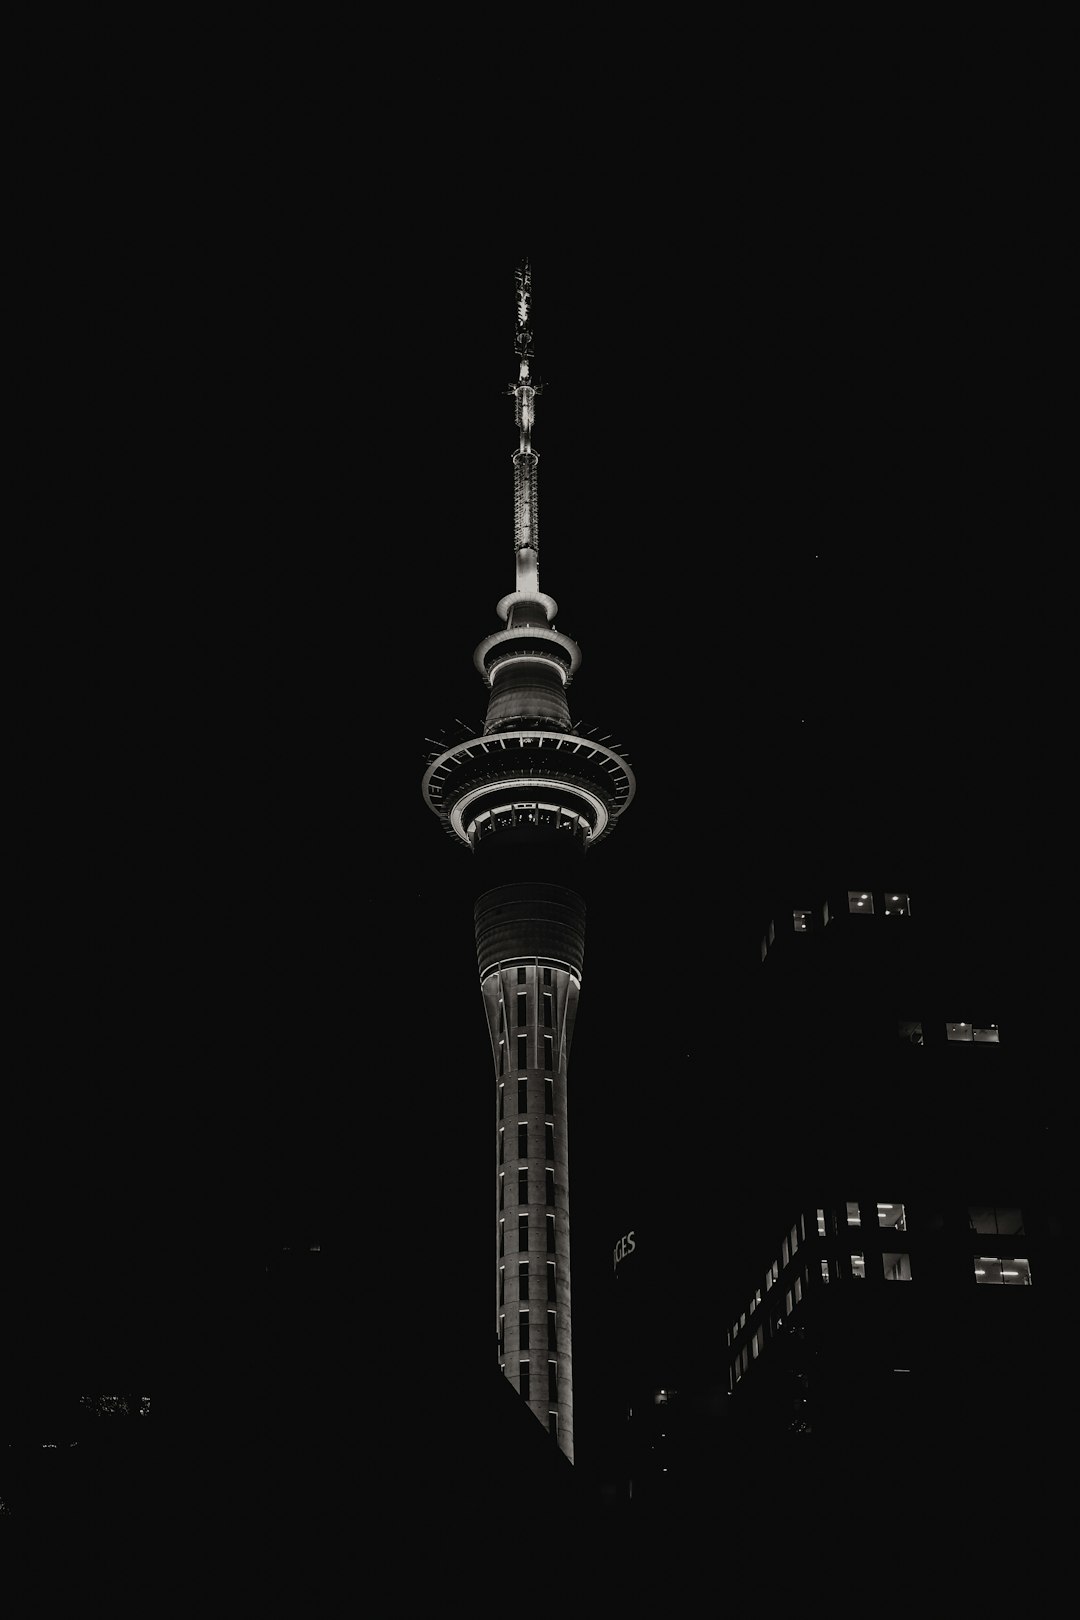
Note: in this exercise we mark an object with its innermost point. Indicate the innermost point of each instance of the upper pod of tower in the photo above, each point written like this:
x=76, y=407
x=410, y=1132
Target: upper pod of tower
x=527, y=666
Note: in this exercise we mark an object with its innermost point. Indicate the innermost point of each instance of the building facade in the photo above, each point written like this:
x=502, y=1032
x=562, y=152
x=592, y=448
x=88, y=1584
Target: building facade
x=908, y=1283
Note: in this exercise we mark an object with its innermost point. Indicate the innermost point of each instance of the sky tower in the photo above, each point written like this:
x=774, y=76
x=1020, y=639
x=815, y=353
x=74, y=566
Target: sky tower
x=529, y=798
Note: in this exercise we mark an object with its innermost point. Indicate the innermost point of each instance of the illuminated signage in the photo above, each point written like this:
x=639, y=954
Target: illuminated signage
x=625, y=1246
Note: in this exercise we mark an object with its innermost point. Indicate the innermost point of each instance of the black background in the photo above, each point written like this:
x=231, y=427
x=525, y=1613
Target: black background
x=797, y=449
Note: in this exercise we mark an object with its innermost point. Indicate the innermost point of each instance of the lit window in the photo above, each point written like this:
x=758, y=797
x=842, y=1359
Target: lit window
x=755, y=1344
x=824, y=1271
x=897, y=1267
x=990, y=1268
x=897, y=905
x=989, y=1032
x=960, y=1032
x=794, y=1240
x=858, y=1266
x=788, y=1305
x=801, y=920
x=785, y=1252
x=825, y=915
x=770, y=933
x=798, y=1290
x=853, y=1214
x=523, y=1379
x=821, y=1223
x=523, y=1328
x=1001, y=1221
x=892, y=1215
x=861, y=902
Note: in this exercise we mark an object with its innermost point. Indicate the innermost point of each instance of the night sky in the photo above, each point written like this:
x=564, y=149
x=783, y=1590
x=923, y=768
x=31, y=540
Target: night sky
x=793, y=441
x=782, y=471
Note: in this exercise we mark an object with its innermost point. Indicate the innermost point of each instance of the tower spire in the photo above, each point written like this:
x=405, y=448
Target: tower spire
x=526, y=496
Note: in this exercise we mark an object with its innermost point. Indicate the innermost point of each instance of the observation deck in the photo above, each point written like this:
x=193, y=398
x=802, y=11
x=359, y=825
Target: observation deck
x=573, y=785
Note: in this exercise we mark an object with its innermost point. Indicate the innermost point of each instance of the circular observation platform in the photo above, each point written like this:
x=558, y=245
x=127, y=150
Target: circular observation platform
x=528, y=642
x=553, y=780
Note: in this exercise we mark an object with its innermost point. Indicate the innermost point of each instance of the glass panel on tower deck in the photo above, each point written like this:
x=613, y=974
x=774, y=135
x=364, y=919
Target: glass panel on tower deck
x=989, y=1033
x=801, y=921
x=992, y=1268
x=897, y=1267
x=959, y=1032
x=897, y=905
x=892, y=1215
x=861, y=902
x=910, y=1030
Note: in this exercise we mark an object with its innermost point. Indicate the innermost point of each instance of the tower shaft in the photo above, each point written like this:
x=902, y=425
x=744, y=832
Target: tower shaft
x=530, y=941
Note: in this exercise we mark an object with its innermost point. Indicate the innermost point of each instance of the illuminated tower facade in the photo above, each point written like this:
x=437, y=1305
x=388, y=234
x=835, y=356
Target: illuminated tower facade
x=529, y=798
